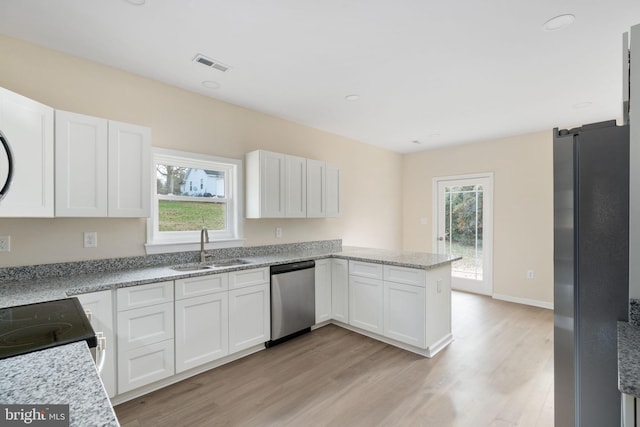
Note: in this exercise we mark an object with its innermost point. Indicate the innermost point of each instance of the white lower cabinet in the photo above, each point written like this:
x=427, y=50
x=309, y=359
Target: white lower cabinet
x=366, y=303
x=202, y=330
x=340, y=290
x=404, y=313
x=100, y=305
x=323, y=290
x=408, y=305
x=249, y=317
x=145, y=335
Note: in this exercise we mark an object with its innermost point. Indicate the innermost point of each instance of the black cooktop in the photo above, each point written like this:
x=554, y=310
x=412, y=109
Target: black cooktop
x=32, y=327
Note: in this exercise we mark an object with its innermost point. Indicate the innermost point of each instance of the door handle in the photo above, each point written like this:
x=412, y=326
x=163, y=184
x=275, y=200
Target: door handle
x=441, y=238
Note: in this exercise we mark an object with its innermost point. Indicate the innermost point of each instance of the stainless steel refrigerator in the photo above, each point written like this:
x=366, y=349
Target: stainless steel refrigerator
x=591, y=270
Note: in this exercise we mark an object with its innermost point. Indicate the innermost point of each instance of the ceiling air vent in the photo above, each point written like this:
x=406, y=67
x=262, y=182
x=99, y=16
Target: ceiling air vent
x=210, y=62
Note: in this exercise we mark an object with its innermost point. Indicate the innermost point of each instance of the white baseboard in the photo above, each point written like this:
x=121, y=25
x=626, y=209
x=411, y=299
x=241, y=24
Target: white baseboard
x=525, y=301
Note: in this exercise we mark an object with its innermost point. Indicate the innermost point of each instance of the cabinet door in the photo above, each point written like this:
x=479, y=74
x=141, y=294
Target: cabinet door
x=129, y=170
x=333, y=190
x=81, y=165
x=100, y=304
x=365, y=303
x=404, y=313
x=295, y=187
x=340, y=290
x=265, y=193
x=144, y=365
x=28, y=128
x=144, y=326
x=316, y=194
x=202, y=330
x=249, y=317
x=323, y=290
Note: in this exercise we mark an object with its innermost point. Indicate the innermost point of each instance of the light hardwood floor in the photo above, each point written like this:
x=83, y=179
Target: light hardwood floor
x=498, y=372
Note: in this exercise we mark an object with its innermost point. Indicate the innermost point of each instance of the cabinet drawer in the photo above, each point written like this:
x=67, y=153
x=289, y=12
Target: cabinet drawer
x=144, y=365
x=146, y=325
x=244, y=278
x=409, y=276
x=144, y=295
x=202, y=285
x=365, y=269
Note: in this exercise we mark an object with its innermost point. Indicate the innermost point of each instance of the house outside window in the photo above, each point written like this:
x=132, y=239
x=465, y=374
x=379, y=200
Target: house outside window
x=180, y=209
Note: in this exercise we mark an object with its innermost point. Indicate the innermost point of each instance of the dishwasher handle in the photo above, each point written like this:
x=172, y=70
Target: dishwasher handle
x=295, y=266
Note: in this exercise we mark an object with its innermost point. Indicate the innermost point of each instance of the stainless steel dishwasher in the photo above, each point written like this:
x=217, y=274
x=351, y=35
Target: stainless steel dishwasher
x=293, y=300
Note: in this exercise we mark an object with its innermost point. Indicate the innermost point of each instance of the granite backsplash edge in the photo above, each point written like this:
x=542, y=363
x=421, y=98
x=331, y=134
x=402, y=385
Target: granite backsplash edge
x=41, y=271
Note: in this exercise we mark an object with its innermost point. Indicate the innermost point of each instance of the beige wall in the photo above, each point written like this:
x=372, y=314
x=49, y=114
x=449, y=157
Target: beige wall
x=523, y=207
x=372, y=202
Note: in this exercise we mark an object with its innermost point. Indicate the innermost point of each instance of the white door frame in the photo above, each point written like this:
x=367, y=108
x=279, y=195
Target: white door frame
x=486, y=287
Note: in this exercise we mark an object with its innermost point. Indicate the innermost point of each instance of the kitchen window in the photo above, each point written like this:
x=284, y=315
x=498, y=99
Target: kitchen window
x=180, y=209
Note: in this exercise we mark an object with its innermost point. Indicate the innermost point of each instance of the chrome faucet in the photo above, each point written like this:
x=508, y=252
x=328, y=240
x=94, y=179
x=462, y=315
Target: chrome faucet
x=204, y=237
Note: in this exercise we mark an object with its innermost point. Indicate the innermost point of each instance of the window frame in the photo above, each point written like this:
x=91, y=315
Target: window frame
x=180, y=241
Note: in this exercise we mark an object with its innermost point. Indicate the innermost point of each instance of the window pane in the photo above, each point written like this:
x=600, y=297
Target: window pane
x=463, y=230
x=189, y=216
x=182, y=181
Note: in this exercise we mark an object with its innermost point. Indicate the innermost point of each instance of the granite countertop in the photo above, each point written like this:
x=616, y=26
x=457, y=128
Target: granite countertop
x=18, y=292
x=59, y=375
x=629, y=359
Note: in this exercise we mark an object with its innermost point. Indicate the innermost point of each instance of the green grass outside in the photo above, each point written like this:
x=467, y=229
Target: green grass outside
x=188, y=216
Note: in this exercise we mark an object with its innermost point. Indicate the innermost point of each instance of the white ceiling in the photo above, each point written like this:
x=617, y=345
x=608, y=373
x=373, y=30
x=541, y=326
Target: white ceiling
x=441, y=72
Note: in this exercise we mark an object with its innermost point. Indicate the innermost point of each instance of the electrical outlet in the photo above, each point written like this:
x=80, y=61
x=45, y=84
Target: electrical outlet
x=530, y=274
x=278, y=232
x=90, y=239
x=5, y=243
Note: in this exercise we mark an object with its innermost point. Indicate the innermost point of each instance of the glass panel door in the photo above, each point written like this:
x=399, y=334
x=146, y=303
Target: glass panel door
x=463, y=209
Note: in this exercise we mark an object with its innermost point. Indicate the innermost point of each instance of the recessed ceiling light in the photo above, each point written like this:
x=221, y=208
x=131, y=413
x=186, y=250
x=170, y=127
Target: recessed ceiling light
x=210, y=84
x=353, y=97
x=559, y=22
x=136, y=2
x=581, y=105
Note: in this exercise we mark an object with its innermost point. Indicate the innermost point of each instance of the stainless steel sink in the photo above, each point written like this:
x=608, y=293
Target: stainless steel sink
x=187, y=268
x=229, y=262
x=214, y=264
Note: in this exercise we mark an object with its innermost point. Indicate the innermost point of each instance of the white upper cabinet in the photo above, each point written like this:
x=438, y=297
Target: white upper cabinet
x=316, y=189
x=283, y=186
x=102, y=167
x=129, y=170
x=295, y=185
x=28, y=128
x=81, y=165
x=265, y=184
x=323, y=189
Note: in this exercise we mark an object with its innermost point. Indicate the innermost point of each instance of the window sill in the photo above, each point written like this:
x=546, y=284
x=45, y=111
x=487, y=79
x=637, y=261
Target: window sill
x=168, y=247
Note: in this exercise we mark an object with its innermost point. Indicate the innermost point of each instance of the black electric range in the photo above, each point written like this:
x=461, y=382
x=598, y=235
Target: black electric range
x=32, y=327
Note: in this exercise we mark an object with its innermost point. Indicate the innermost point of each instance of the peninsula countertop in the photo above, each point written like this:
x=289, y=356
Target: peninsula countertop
x=60, y=375
x=629, y=359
